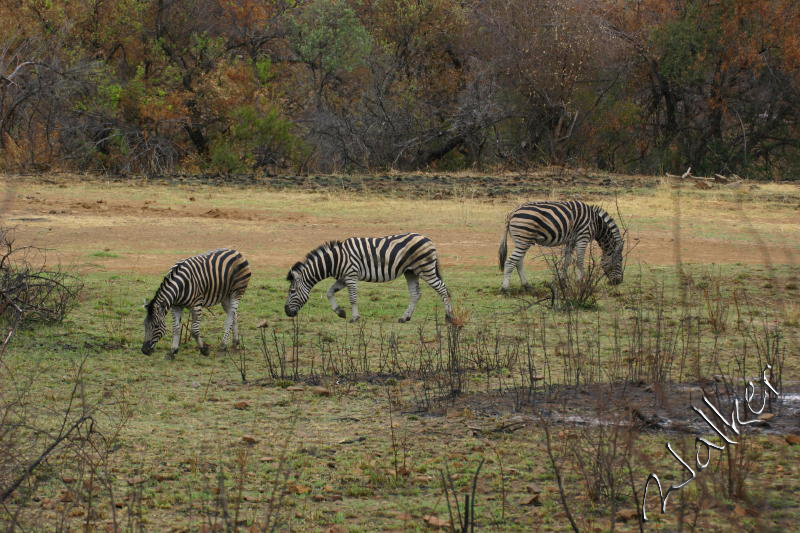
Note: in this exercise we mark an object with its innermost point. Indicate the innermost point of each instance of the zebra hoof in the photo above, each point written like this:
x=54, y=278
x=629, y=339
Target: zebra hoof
x=341, y=313
x=171, y=355
x=504, y=290
x=205, y=349
x=354, y=319
x=403, y=319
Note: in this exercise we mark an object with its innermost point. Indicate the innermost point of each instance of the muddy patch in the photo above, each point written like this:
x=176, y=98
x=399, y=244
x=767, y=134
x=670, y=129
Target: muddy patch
x=654, y=409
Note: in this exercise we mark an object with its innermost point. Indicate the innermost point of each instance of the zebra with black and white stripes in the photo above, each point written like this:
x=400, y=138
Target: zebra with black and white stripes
x=367, y=259
x=218, y=276
x=572, y=224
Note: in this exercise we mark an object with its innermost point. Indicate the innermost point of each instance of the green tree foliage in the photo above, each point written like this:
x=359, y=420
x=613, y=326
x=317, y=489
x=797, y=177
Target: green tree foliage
x=237, y=86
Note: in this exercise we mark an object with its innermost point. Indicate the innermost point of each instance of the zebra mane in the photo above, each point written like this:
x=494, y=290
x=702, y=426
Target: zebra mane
x=609, y=226
x=327, y=245
x=151, y=305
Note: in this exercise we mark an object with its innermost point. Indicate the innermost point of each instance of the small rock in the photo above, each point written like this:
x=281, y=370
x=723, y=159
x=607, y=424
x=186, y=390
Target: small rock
x=296, y=388
x=262, y=324
x=297, y=488
x=627, y=514
x=268, y=459
x=435, y=521
x=164, y=476
x=793, y=439
x=532, y=500
x=533, y=489
x=249, y=439
x=767, y=416
x=241, y=405
x=68, y=479
x=321, y=391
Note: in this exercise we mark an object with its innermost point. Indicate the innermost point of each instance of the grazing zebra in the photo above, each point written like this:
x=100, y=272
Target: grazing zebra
x=367, y=259
x=572, y=224
x=218, y=276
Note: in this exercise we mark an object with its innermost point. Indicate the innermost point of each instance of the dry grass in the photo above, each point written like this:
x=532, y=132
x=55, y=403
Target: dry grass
x=200, y=449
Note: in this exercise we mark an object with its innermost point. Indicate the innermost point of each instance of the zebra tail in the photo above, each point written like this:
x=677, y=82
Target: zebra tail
x=503, y=247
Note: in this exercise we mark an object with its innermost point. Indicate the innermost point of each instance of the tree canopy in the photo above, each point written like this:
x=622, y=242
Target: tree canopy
x=155, y=86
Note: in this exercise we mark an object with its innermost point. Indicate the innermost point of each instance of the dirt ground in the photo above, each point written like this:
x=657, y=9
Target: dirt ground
x=146, y=227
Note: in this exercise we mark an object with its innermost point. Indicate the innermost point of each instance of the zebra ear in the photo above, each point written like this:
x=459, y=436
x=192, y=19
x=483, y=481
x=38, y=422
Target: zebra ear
x=295, y=267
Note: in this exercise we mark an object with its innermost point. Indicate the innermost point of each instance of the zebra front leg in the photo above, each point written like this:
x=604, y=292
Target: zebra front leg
x=177, y=312
x=352, y=290
x=230, y=306
x=197, y=312
x=413, y=295
x=580, y=251
x=336, y=287
x=566, y=261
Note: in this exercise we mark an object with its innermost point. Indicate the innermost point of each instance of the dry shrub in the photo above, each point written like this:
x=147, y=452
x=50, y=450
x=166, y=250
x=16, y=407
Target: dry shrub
x=30, y=291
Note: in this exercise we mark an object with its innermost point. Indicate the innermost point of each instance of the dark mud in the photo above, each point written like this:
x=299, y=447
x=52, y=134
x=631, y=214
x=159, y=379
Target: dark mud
x=431, y=186
x=653, y=409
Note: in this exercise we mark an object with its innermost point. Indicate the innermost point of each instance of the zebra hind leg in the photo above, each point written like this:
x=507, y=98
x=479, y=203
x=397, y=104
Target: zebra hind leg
x=515, y=260
x=437, y=283
x=230, y=305
x=413, y=295
x=197, y=312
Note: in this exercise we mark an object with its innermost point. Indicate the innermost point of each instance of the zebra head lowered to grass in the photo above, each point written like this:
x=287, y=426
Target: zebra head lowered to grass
x=218, y=276
x=367, y=259
x=572, y=224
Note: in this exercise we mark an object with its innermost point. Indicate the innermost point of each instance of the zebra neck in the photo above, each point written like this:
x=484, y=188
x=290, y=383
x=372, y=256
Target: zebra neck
x=168, y=293
x=607, y=232
x=325, y=263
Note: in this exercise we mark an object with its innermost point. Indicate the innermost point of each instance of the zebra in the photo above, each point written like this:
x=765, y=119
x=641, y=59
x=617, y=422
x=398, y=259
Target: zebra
x=572, y=224
x=218, y=276
x=367, y=259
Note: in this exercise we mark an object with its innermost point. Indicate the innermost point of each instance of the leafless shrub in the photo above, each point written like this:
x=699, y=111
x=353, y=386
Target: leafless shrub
x=31, y=292
x=462, y=521
x=600, y=457
x=225, y=508
x=273, y=348
x=573, y=293
x=40, y=446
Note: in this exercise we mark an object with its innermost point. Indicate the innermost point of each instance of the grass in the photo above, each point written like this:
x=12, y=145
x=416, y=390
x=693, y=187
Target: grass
x=104, y=253
x=357, y=449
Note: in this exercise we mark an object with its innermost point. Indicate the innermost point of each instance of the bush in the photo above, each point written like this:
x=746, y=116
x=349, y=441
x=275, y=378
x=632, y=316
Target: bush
x=32, y=292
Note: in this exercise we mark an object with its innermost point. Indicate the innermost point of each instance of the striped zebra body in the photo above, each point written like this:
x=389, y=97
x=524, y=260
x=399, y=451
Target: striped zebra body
x=375, y=259
x=571, y=224
x=216, y=277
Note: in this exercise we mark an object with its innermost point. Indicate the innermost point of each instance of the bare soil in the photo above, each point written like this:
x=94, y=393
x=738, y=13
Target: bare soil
x=138, y=228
